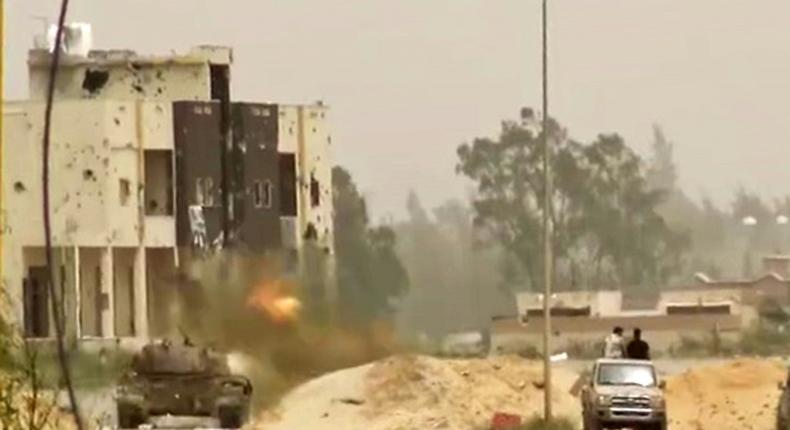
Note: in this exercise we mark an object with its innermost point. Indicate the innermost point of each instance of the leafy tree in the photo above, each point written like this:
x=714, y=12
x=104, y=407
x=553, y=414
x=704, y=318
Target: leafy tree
x=455, y=279
x=509, y=201
x=761, y=232
x=602, y=206
x=370, y=275
x=620, y=211
x=662, y=173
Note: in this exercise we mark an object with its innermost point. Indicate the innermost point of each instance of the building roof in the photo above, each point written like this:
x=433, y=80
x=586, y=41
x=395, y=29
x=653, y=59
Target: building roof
x=534, y=325
x=116, y=57
x=705, y=283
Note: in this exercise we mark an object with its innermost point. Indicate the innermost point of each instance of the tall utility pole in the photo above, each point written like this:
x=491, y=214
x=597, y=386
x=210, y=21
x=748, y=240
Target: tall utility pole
x=547, y=228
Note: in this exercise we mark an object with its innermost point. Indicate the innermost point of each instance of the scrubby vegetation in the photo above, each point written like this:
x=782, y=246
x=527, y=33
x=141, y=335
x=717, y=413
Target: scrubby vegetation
x=25, y=400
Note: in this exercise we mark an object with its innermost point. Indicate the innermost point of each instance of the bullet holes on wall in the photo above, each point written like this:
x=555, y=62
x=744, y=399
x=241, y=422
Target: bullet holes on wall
x=310, y=232
x=19, y=187
x=315, y=192
x=124, y=191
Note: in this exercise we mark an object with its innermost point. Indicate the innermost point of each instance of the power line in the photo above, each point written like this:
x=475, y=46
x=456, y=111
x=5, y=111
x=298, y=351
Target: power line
x=55, y=300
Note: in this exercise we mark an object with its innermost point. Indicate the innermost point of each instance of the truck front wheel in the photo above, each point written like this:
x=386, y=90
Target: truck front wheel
x=231, y=417
x=591, y=423
x=662, y=425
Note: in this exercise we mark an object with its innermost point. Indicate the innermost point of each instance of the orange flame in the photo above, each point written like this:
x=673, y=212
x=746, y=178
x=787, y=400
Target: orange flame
x=273, y=299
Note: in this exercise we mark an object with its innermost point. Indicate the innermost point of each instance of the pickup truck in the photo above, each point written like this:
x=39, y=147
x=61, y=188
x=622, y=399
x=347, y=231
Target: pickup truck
x=623, y=394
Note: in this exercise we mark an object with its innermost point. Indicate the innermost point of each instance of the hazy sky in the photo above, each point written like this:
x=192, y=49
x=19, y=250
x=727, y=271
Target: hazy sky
x=408, y=80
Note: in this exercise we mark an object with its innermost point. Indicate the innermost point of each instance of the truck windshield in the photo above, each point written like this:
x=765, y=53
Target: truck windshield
x=626, y=374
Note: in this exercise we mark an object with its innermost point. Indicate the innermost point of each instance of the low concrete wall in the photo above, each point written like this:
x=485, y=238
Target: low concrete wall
x=662, y=332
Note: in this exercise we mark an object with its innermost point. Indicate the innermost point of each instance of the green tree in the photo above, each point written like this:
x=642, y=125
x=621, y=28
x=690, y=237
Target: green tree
x=761, y=233
x=370, y=274
x=662, y=173
x=602, y=207
x=621, y=212
x=509, y=197
x=455, y=279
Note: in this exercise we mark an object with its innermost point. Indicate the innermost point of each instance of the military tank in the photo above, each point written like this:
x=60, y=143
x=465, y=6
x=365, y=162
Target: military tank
x=181, y=380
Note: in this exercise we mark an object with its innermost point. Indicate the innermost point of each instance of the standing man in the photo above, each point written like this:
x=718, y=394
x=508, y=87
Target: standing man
x=638, y=349
x=614, y=345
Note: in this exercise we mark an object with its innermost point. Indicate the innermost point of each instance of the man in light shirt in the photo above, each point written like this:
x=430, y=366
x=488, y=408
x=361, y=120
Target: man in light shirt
x=614, y=344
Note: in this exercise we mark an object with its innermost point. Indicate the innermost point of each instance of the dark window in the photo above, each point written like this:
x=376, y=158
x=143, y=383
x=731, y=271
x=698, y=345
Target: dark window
x=220, y=84
x=257, y=194
x=36, y=301
x=130, y=275
x=288, y=205
x=315, y=192
x=158, y=189
x=124, y=191
x=99, y=302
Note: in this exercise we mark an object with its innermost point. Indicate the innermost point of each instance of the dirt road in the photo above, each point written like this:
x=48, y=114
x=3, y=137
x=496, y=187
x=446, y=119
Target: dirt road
x=409, y=392
x=735, y=395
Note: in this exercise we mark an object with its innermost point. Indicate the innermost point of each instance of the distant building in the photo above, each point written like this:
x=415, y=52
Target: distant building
x=572, y=303
x=152, y=164
x=697, y=309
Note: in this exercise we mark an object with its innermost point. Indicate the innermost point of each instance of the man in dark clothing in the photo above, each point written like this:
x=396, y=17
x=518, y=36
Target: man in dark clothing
x=638, y=349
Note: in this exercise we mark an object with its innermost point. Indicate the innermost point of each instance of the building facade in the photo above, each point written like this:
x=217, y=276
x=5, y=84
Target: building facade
x=152, y=165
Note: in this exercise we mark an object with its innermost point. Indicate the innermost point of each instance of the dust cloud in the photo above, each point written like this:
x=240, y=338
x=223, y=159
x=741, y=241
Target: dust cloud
x=275, y=330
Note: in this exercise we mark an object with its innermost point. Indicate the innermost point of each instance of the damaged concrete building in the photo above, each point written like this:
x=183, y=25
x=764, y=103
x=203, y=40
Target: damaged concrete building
x=152, y=165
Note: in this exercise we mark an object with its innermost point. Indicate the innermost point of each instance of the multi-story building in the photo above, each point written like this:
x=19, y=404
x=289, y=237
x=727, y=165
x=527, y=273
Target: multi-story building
x=151, y=160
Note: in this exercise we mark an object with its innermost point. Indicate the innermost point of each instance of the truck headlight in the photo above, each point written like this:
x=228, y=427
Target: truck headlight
x=658, y=402
x=604, y=400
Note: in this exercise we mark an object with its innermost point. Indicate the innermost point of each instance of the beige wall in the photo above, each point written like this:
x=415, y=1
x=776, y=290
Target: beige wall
x=92, y=149
x=288, y=129
x=95, y=151
x=130, y=76
x=304, y=130
x=288, y=142
x=601, y=303
x=148, y=79
x=96, y=182
x=661, y=331
x=732, y=296
x=316, y=163
x=660, y=341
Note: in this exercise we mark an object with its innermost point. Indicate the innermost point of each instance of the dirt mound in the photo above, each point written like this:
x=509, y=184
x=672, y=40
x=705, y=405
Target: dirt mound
x=738, y=395
x=409, y=392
